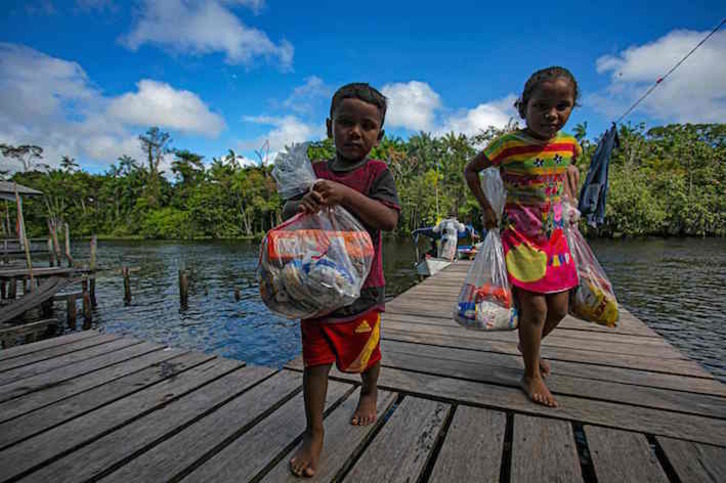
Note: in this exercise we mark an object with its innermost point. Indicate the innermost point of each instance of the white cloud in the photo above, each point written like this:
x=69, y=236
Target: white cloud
x=51, y=102
x=157, y=103
x=305, y=98
x=205, y=27
x=411, y=105
x=286, y=130
x=473, y=121
x=695, y=92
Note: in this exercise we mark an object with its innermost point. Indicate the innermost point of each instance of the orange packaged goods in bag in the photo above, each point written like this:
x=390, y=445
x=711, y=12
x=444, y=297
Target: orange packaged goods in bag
x=315, y=263
x=284, y=245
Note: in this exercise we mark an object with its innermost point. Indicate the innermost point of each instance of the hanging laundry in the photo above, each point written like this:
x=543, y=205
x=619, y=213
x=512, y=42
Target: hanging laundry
x=594, y=192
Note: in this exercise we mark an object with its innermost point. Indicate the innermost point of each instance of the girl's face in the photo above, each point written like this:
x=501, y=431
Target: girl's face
x=549, y=107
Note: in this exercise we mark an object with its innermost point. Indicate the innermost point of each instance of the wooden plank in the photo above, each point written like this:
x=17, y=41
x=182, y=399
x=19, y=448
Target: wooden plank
x=341, y=441
x=111, y=450
x=543, y=450
x=22, y=350
x=472, y=450
x=180, y=452
x=646, y=420
x=667, y=366
x=39, y=272
x=52, y=352
x=401, y=449
x=45, y=290
x=36, y=400
x=63, y=374
x=705, y=405
x=586, y=371
x=695, y=462
x=43, y=419
x=552, y=341
x=110, y=343
x=263, y=443
x=29, y=455
x=622, y=456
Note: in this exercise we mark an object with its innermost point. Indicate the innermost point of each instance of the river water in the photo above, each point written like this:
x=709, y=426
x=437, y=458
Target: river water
x=677, y=286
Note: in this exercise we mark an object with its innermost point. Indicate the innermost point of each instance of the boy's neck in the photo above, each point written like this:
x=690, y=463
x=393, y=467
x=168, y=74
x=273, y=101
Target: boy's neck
x=339, y=163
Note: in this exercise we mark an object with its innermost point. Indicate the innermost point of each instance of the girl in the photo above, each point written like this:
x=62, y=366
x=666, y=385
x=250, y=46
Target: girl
x=535, y=165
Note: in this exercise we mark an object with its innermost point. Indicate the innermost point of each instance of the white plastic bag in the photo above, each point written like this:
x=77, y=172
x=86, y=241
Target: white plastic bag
x=593, y=299
x=312, y=264
x=485, y=301
x=293, y=171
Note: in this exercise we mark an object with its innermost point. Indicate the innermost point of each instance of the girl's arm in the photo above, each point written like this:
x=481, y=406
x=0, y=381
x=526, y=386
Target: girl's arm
x=572, y=182
x=478, y=164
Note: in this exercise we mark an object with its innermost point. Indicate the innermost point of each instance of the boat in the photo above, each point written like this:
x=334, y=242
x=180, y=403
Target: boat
x=434, y=260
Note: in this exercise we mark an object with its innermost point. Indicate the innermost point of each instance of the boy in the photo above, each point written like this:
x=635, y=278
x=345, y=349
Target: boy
x=349, y=336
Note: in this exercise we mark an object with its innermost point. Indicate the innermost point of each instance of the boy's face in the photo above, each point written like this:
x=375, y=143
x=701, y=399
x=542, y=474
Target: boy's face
x=355, y=128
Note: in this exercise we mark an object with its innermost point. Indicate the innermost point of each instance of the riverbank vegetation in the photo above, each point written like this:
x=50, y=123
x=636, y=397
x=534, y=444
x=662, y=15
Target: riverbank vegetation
x=668, y=180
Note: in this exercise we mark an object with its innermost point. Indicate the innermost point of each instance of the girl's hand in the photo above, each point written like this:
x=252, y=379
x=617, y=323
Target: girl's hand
x=330, y=193
x=490, y=219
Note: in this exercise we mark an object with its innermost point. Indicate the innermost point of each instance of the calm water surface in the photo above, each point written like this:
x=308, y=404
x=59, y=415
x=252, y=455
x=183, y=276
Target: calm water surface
x=677, y=286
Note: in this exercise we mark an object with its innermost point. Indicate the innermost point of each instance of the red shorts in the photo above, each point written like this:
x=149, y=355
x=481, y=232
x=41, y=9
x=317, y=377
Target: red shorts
x=354, y=346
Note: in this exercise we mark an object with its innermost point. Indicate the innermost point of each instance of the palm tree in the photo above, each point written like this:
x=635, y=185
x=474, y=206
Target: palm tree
x=68, y=164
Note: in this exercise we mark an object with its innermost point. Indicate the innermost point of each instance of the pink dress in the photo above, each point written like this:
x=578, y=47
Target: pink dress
x=535, y=247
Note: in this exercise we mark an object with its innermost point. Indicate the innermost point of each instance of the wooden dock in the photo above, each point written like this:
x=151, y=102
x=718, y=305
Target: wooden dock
x=100, y=407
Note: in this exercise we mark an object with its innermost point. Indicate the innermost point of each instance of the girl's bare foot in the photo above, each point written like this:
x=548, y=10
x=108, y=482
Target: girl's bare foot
x=536, y=390
x=544, y=365
x=305, y=461
x=365, y=413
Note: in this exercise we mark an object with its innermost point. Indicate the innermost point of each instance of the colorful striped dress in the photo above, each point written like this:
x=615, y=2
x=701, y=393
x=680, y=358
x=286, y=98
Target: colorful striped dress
x=534, y=172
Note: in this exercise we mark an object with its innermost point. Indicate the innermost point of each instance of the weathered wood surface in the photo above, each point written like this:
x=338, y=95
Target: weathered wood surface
x=473, y=448
x=92, y=407
x=404, y=445
x=622, y=456
x=544, y=450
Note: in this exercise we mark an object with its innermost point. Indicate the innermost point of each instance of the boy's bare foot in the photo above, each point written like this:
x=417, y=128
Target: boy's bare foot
x=536, y=390
x=365, y=413
x=305, y=461
x=544, y=365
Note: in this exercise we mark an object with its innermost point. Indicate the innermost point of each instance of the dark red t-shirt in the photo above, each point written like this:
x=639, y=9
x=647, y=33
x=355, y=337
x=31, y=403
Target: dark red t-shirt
x=372, y=178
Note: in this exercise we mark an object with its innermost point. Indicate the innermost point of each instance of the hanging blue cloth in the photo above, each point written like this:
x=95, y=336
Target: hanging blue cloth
x=594, y=192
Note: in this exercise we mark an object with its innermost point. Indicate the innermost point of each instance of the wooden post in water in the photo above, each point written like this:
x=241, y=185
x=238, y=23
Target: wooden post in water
x=94, y=244
x=237, y=294
x=3, y=290
x=51, y=255
x=183, y=288
x=23, y=235
x=127, y=285
x=53, y=227
x=68, y=245
x=13, y=288
x=71, y=311
x=87, y=309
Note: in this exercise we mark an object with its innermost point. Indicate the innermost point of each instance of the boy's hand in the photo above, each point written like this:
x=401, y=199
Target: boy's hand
x=311, y=203
x=490, y=219
x=329, y=192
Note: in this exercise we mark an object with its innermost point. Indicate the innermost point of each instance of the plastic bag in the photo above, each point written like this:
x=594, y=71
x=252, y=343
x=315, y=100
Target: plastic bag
x=314, y=264
x=485, y=301
x=293, y=171
x=593, y=299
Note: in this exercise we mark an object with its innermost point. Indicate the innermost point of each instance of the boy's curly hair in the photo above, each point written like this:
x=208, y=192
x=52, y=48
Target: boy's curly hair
x=550, y=73
x=362, y=91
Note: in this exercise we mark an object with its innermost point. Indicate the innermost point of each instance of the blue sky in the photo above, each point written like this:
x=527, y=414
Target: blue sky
x=85, y=77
